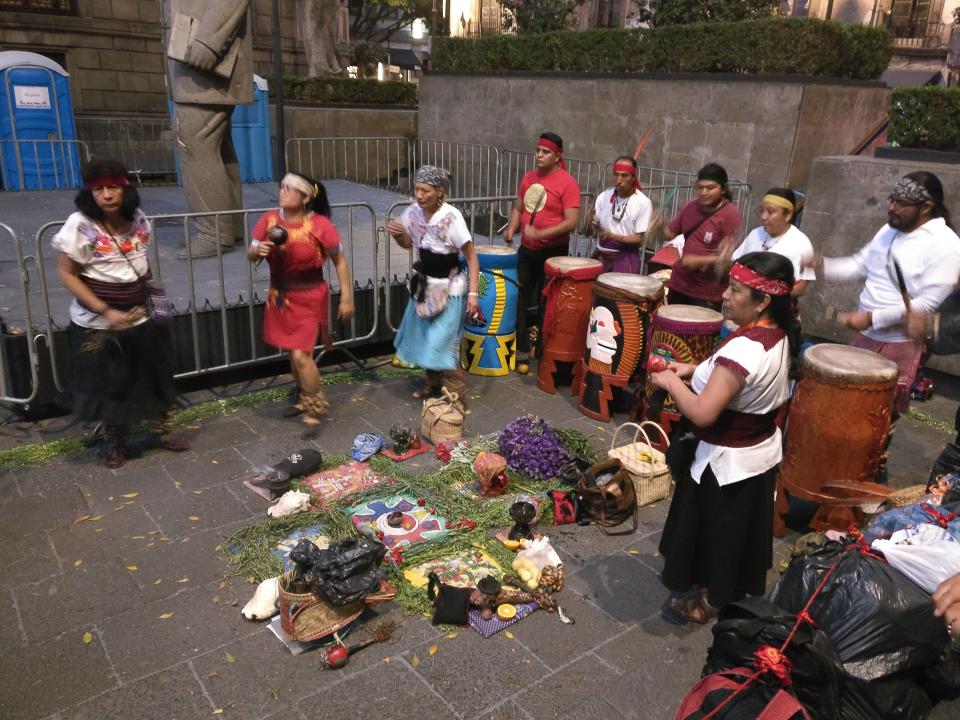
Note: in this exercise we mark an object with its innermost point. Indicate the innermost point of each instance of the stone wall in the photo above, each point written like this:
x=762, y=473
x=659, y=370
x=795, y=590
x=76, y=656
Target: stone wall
x=765, y=131
x=845, y=207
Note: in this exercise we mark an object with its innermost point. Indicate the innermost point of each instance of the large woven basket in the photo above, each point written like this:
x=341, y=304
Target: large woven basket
x=306, y=617
x=646, y=465
x=442, y=419
x=906, y=496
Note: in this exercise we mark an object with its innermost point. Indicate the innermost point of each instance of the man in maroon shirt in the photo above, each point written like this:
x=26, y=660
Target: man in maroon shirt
x=546, y=211
x=710, y=226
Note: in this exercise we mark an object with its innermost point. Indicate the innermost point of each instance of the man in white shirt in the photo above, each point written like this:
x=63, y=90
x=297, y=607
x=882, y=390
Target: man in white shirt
x=916, y=248
x=620, y=217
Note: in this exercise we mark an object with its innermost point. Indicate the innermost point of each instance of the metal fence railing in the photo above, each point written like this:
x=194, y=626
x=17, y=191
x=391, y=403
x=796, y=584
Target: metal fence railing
x=514, y=164
x=145, y=144
x=383, y=162
x=42, y=164
x=473, y=168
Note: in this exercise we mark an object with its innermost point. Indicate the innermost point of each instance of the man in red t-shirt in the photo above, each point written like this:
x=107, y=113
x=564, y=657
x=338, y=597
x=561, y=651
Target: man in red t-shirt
x=546, y=211
x=710, y=226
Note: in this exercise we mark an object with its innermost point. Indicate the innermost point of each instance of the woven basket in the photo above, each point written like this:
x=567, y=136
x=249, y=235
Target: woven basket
x=442, y=419
x=906, y=496
x=306, y=617
x=646, y=465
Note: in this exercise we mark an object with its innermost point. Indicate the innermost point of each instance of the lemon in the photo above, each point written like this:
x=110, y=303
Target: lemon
x=523, y=368
x=507, y=612
x=511, y=544
x=396, y=361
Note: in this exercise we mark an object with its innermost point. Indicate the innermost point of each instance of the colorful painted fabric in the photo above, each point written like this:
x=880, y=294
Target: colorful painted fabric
x=463, y=569
x=314, y=533
x=417, y=525
x=328, y=486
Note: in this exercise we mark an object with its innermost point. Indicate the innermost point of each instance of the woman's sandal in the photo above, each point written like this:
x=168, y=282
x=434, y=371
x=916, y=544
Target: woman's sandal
x=427, y=391
x=693, y=609
x=175, y=442
x=292, y=410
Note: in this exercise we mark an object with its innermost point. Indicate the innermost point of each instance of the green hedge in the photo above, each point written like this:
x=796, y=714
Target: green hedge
x=775, y=45
x=347, y=90
x=925, y=117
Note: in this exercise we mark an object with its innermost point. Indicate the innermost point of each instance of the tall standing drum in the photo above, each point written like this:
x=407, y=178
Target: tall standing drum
x=681, y=333
x=491, y=348
x=838, y=423
x=567, y=301
x=616, y=339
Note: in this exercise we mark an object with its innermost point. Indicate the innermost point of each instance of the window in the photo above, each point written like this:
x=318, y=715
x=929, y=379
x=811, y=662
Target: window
x=55, y=7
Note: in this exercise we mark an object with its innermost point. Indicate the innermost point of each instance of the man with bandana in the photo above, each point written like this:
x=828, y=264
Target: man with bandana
x=620, y=218
x=546, y=211
x=916, y=247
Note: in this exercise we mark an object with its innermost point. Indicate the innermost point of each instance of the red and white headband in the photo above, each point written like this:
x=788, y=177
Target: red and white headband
x=108, y=181
x=753, y=279
x=625, y=167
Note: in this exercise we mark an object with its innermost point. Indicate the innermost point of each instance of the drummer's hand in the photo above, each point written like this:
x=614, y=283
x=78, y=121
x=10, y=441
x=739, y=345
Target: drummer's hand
x=531, y=233
x=663, y=380
x=683, y=370
x=471, y=304
x=264, y=247
x=507, y=236
x=858, y=321
x=917, y=325
x=345, y=309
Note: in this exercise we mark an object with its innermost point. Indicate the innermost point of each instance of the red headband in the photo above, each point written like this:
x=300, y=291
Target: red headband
x=554, y=148
x=625, y=167
x=108, y=181
x=755, y=280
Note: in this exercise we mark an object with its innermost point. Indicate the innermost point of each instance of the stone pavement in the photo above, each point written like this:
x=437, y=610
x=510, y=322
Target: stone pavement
x=145, y=577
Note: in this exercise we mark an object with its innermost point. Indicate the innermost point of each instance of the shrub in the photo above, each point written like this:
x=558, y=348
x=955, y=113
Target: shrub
x=925, y=117
x=348, y=91
x=801, y=46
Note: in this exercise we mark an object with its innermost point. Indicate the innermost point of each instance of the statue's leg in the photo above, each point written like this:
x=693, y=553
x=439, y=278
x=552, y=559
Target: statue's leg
x=232, y=164
x=201, y=131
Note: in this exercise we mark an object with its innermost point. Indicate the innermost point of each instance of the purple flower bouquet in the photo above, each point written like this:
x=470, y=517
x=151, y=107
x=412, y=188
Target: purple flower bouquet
x=533, y=448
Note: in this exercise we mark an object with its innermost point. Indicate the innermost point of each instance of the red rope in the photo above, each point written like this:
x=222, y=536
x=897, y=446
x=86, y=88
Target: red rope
x=938, y=518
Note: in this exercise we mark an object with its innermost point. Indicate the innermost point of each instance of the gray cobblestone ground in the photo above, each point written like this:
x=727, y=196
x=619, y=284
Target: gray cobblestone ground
x=143, y=557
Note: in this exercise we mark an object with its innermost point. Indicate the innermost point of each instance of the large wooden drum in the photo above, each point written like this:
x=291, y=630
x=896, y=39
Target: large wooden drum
x=616, y=346
x=682, y=333
x=491, y=348
x=567, y=310
x=838, y=423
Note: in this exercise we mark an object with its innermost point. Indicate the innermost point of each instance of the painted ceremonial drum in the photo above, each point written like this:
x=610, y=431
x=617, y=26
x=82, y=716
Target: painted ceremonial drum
x=682, y=333
x=623, y=304
x=567, y=296
x=839, y=417
x=489, y=345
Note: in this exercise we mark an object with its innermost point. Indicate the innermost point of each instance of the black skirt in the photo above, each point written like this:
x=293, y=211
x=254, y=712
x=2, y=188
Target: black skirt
x=720, y=538
x=121, y=378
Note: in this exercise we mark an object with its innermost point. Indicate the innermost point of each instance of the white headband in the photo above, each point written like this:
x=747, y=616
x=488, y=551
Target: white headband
x=299, y=183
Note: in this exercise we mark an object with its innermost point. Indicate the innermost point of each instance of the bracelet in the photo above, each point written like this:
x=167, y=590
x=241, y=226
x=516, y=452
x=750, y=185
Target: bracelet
x=472, y=294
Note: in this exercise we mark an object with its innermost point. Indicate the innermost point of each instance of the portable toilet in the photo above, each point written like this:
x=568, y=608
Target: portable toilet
x=250, y=132
x=251, y=135
x=38, y=135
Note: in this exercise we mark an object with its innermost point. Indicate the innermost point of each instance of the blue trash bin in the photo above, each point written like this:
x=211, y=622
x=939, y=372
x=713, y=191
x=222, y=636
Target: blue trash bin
x=38, y=135
x=250, y=131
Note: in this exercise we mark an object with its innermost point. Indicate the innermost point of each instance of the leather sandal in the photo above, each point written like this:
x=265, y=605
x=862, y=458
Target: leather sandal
x=427, y=391
x=175, y=442
x=115, y=458
x=292, y=411
x=694, y=609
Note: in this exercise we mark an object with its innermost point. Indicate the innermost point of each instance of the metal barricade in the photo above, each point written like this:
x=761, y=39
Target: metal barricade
x=144, y=143
x=514, y=164
x=7, y=234
x=383, y=162
x=473, y=168
x=42, y=164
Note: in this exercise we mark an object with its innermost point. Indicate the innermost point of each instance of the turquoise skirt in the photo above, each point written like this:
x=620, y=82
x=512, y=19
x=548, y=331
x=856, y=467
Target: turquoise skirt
x=432, y=343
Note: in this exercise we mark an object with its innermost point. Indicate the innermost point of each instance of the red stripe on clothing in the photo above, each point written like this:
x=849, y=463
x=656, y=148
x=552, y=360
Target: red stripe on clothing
x=733, y=365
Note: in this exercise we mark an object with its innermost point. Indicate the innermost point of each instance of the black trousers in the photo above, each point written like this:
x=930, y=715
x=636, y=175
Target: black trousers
x=531, y=277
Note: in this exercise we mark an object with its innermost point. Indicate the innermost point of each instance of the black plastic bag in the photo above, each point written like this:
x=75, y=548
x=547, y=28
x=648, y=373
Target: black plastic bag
x=345, y=572
x=878, y=620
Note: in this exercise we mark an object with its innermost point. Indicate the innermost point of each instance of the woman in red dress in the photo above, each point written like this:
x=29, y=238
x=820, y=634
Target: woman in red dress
x=296, y=239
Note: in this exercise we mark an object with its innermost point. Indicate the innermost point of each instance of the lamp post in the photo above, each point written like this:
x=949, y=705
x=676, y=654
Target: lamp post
x=278, y=89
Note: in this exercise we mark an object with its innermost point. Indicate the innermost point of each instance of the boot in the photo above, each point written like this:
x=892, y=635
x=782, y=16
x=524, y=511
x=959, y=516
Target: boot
x=116, y=436
x=166, y=432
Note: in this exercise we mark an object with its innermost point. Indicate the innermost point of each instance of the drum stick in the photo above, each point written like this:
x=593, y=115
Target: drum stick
x=903, y=285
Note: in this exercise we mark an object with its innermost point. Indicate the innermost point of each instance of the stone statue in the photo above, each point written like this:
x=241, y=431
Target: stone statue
x=210, y=58
x=320, y=36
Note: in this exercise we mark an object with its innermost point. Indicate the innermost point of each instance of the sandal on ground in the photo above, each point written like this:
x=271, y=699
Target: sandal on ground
x=292, y=410
x=115, y=458
x=427, y=391
x=311, y=427
x=694, y=609
x=175, y=442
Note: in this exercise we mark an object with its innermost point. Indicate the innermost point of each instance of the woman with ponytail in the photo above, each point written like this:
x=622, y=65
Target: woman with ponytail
x=718, y=539
x=296, y=239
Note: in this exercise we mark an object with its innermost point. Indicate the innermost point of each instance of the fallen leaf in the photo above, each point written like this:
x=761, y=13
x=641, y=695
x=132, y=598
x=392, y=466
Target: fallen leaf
x=452, y=635
x=158, y=581
x=183, y=580
x=153, y=532
x=229, y=658
x=198, y=492
x=216, y=599
x=138, y=537
x=656, y=553
x=633, y=552
x=132, y=568
x=150, y=544
x=193, y=518
x=77, y=563
x=99, y=530
x=251, y=579
x=218, y=548
x=415, y=661
x=119, y=507
x=434, y=650
x=130, y=495
x=218, y=711
x=233, y=603
x=87, y=638
x=165, y=616
x=215, y=462
x=177, y=484
x=213, y=674
x=222, y=585
x=508, y=634
x=81, y=519
x=185, y=540
x=386, y=661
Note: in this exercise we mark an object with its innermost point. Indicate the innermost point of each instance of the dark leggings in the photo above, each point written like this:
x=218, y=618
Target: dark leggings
x=531, y=277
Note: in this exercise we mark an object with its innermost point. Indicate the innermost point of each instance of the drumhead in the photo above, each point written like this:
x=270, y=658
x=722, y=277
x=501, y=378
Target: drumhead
x=640, y=285
x=495, y=250
x=564, y=263
x=689, y=313
x=850, y=364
